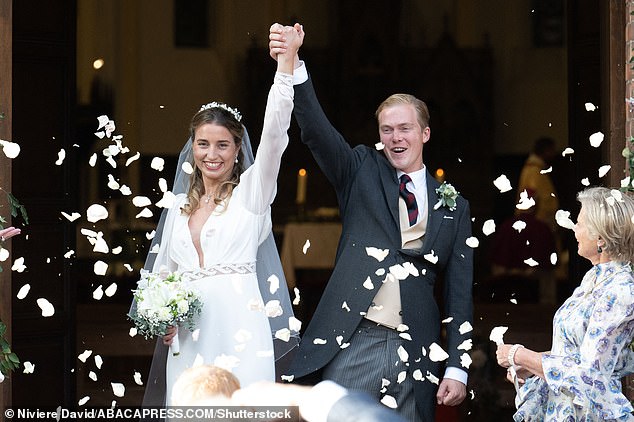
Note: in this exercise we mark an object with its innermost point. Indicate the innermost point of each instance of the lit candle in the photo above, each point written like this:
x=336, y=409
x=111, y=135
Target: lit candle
x=301, y=186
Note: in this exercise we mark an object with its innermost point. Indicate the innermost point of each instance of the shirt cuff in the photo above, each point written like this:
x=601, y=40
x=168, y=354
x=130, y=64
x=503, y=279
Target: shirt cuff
x=456, y=374
x=300, y=74
x=316, y=405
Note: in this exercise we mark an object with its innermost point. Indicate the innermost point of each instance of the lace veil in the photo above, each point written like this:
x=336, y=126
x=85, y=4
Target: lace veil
x=268, y=263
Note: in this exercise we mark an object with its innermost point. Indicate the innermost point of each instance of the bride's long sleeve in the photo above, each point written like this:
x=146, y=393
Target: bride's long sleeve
x=260, y=180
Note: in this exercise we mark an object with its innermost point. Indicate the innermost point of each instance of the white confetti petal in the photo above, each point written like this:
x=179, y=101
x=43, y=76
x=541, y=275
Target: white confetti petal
x=98, y=361
x=497, y=334
x=345, y=306
x=83, y=400
x=97, y=294
x=432, y=378
x=447, y=320
x=465, y=345
x=100, y=268
x=545, y=171
x=92, y=375
x=141, y=201
x=47, y=307
x=69, y=254
x=319, y=341
x=4, y=254
x=167, y=200
x=379, y=146
x=133, y=332
x=96, y=212
x=431, y=257
x=306, y=246
x=273, y=308
x=405, y=336
x=28, y=367
x=297, y=297
x=503, y=183
x=596, y=139
x=567, y=151
x=389, y=401
x=590, y=107
x=402, y=354
x=111, y=290
x=401, y=377
x=603, y=170
x=294, y=324
x=71, y=217
x=24, y=290
x=92, y=160
x=553, y=258
x=488, y=227
x=436, y=353
x=585, y=181
x=378, y=254
x=145, y=213
x=288, y=378
x=162, y=184
x=18, y=265
x=157, y=163
x=125, y=190
x=525, y=201
x=368, y=284
x=418, y=375
x=118, y=389
x=513, y=301
x=112, y=183
x=117, y=251
x=132, y=159
x=103, y=121
x=465, y=327
x=519, y=225
x=563, y=219
x=10, y=149
x=531, y=262
x=465, y=360
x=472, y=242
x=187, y=167
x=283, y=334
x=84, y=355
x=274, y=283
x=137, y=378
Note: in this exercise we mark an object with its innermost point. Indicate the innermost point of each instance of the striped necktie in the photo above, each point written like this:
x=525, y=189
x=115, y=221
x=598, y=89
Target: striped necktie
x=410, y=199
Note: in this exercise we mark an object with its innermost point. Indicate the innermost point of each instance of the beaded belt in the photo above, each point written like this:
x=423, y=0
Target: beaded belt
x=220, y=269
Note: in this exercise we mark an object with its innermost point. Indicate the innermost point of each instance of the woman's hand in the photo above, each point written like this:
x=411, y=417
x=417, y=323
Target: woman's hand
x=168, y=338
x=520, y=373
x=502, y=355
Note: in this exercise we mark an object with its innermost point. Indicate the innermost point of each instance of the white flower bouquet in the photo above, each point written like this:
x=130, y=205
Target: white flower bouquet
x=164, y=300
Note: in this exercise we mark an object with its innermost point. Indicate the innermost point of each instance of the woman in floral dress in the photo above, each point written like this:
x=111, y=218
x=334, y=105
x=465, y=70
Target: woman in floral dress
x=579, y=379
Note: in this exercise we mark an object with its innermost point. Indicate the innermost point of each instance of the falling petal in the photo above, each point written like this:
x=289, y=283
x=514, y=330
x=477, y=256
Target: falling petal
x=389, y=401
x=531, y=262
x=545, y=171
x=288, y=378
x=447, y=320
x=603, y=170
x=585, y=181
x=596, y=139
x=162, y=184
x=379, y=146
x=431, y=257
x=92, y=375
x=519, y=225
x=97, y=294
x=10, y=149
x=398, y=272
x=378, y=254
x=47, y=308
x=187, y=167
x=117, y=250
x=145, y=213
x=132, y=159
x=436, y=353
x=274, y=283
x=157, y=163
x=112, y=162
x=405, y=336
x=24, y=290
x=432, y=378
x=132, y=332
x=137, y=378
x=306, y=246
x=368, y=284
x=101, y=245
x=111, y=290
x=60, y=157
x=497, y=334
x=167, y=200
x=513, y=301
x=402, y=354
x=4, y=254
x=472, y=242
x=418, y=375
x=320, y=341
x=567, y=151
x=273, y=308
x=96, y=212
x=297, y=298
x=283, y=334
x=488, y=227
x=525, y=201
x=294, y=324
x=93, y=160
x=150, y=235
x=141, y=201
x=18, y=265
x=503, y=183
x=28, y=367
x=118, y=389
x=590, y=107
x=465, y=360
x=98, y=361
x=563, y=219
x=465, y=345
x=345, y=306
x=84, y=355
x=83, y=400
x=465, y=327
x=553, y=258
x=72, y=217
x=401, y=377
x=125, y=190
x=100, y=268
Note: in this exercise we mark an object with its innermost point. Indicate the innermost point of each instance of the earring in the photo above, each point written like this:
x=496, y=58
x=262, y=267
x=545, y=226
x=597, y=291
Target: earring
x=599, y=249
x=236, y=159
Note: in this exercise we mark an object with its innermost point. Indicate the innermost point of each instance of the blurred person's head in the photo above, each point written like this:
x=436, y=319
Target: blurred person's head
x=204, y=385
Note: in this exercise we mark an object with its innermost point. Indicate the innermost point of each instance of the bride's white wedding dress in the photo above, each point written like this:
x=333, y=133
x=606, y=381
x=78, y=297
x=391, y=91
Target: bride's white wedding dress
x=233, y=330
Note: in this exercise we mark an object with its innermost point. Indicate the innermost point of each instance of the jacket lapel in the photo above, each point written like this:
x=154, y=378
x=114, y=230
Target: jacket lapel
x=390, y=189
x=434, y=217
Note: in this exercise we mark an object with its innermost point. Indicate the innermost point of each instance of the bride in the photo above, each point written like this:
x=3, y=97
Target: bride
x=216, y=231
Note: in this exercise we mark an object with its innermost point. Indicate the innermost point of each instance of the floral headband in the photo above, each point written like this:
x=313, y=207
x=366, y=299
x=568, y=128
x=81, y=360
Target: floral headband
x=234, y=111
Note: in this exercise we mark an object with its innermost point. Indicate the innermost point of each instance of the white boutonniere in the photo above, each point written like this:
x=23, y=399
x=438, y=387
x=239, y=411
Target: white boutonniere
x=447, y=196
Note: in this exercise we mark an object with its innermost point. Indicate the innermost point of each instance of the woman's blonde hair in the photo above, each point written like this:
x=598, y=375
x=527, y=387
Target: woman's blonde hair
x=202, y=384
x=222, y=117
x=610, y=217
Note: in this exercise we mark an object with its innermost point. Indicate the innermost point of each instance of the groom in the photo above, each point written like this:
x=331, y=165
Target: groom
x=377, y=327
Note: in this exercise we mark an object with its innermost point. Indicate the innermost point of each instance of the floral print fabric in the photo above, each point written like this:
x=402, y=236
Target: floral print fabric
x=592, y=332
